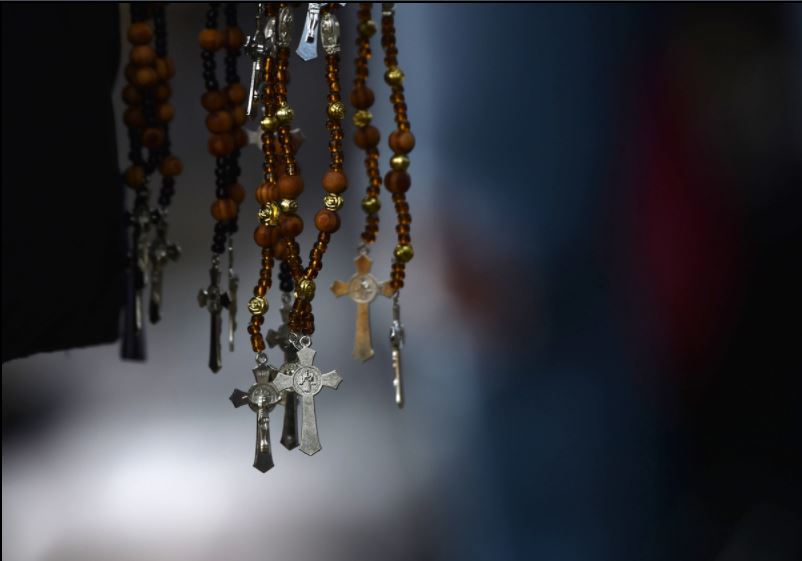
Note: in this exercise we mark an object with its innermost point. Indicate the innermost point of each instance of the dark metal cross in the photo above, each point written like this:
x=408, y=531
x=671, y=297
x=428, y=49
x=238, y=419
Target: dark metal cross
x=214, y=301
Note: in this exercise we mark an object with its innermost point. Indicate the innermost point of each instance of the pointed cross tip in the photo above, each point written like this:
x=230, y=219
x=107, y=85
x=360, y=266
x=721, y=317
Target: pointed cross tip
x=263, y=464
x=311, y=450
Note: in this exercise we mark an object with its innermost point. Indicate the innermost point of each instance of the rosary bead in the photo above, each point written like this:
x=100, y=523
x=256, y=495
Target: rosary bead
x=221, y=144
x=219, y=122
x=224, y=209
x=362, y=118
x=130, y=73
x=153, y=137
x=280, y=249
x=335, y=182
x=162, y=92
x=236, y=192
x=305, y=289
x=371, y=205
x=404, y=253
x=289, y=206
x=257, y=343
x=211, y=39
x=145, y=77
x=285, y=114
x=265, y=236
x=394, y=76
x=269, y=123
x=171, y=166
x=327, y=221
x=135, y=177
x=236, y=93
x=142, y=55
x=234, y=38
x=214, y=100
x=399, y=162
x=139, y=33
x=291, y=225
x=367, y=28
x=333, y=201
x=240, y=138
x=257, y=306
x=134, y=117
x=239, y=116
x=367, y=137
x=165, y=113
x=131, y=96
x=397, y=181
x=264, y=193
x=290, y=186
x=165, y=68
x=362, y=97
x=336, y=110
x=402, y=141
x=269, y=214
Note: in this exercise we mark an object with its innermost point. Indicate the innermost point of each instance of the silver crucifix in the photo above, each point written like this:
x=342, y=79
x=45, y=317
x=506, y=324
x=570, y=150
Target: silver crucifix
x=306, y=380
x=396, y=344
x=257, y=47
x=261, y=398
x=160, y=253
x=214, y=301
x=281, y=338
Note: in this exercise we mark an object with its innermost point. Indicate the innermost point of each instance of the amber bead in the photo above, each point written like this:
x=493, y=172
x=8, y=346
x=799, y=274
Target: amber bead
x=211, y=39
x=257, y=343
x=367, y=137
x=145, y=77
x=134, y=177
x=139, y=33
x=165, y=113
x=397, y=181
x=131, y=96
x=236, y=93
x=214, y=100
x=165, y=68
x=291, y=226
x=162, y=92
x=265, y=236
x=224, y=209
x=335, y=182
x=171, y=166
x=142, y=55
x=362, y=97
x=239, y=116
x=240, y=138
x=153, y=137
x=402, y=142
x=219, y=122
x=263, y=193
x=236, y=192
x=134, y=117
x=290, y=186
x=327, y=221
x=221, y=144
x=234, y=38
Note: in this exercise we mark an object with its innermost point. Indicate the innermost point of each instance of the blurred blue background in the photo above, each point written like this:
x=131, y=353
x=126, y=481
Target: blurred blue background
x=602, y=351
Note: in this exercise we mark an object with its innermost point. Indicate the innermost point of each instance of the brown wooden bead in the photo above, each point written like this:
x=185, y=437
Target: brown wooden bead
x=134, y=177
x=263, y=193
x=236, y=93
x=234, y=38
x=236, y=192
x=211, y=39
x=239, y=116
x=362, y=97
x=162, y=92
x=131, y=96
x=291, y=225
x=402, y=142
x=280, y=249
x=265, y=236
x=153, y=137
x=165, y=68
x=290, y=186
x=367, y=137
x=240, y=138
x=139, y=33
x=219, y=122
x=165, y=113
x=221, y=144
x=335, y=182
x=145, y=77
x=214, y=100
x=171, y=166
x=142, y=55
x=224, y=209
x=134, y=117
x=397, y=181
x=327, y=221
x=130, y=73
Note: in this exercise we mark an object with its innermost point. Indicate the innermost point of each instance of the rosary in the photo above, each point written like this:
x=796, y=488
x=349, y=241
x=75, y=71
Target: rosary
x=296, y=380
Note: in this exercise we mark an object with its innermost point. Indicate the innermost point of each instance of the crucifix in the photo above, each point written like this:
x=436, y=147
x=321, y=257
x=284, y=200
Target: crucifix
x=396, y=344
x=281, y=338
x=133, y=347
x=306, y=380
x=233, y=285
x=261, y=398
x=214, y=301
x=363, y=288
x=160, y=253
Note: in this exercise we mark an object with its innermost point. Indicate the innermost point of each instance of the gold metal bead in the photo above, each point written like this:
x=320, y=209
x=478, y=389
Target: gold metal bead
x=371, y=205
x=404, y=253
x=289, y=206
x=269, y=214
x=305, y=289
x=257, y=306
x=285, y=114
x=362, y=118
x=336, y=110
x=333, y=201
x=394, y=76
x=367, y=28
x=269, y=123
x=399, y=162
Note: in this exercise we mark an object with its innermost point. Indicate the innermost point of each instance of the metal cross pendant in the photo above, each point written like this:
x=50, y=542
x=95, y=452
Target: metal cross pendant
x=261, y=398
x=281, y=338
x=160, y=253
x=133, y=346
x=257, y=46
x=307, y=48
x=363, y=288
x=233, y=285
x=306, y=380
x=396, y=344
x=214, y=301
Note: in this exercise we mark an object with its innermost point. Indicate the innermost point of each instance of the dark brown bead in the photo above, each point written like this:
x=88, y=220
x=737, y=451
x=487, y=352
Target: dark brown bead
x=145, y=77
x=290, y=186
x=134, y=117
x=236, y=192
x=335, y=182
x=224, y=209
x=291, y=225
x=171, y=166
x=402, y=142
x=234, y=38
x=162, y=92
x=211, y=39
x=131, y=96
x=219, y=122
x=214, y=100
x=236, y=93
x=134, y=177
x=221, y=144
x=264, y=193
x=142, y=55
x=397, y=181
x=367, y=137
x=327, y=221
x=139, y=33
x=362, y=97
x=265, y=236
x=165, y=68
x=165, y=113
x=239, y=116
x=240, y=138
x=153, y=137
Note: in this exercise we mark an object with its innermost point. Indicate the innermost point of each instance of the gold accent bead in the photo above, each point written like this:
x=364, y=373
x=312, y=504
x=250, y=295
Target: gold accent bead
x=394, y=76
x=333, y=201
x=289, y=206
x=285, y=114
x=269, y=214
x=371, y=205
x=336, y=110
x=257, y=306
x=404, y=253
x=362, y=118
x=305, y=289
x=269, y=123
x=367, y=28
x=399, y=162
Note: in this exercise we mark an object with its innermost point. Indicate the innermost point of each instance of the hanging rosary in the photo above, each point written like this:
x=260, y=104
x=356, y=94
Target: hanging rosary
x=297, y=380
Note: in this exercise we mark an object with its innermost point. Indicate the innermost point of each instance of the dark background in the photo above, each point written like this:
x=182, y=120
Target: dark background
x=602, y=319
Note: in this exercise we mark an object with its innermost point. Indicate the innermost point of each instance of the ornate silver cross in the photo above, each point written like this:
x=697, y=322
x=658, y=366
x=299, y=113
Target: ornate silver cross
x=363, y=288
x=160, y=253
x=261, y=398
x=306, y=380
x=214, y=301
x=281, y=338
